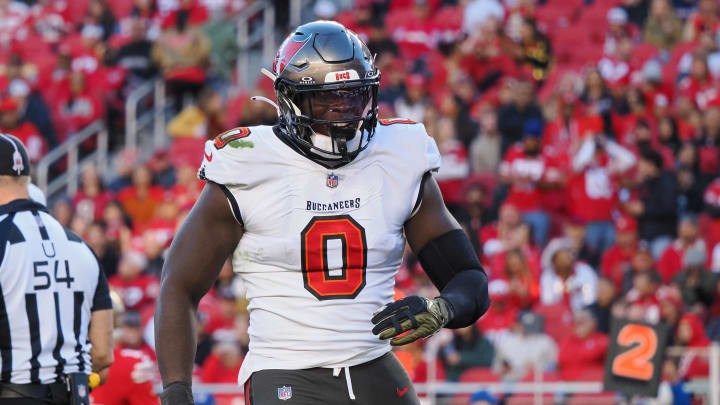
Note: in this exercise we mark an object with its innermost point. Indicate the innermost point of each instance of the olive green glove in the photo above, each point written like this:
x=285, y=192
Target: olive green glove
x=421, y=315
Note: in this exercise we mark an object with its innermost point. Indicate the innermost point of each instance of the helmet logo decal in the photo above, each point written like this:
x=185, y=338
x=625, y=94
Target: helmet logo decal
x=286, y=53
x=350, y=74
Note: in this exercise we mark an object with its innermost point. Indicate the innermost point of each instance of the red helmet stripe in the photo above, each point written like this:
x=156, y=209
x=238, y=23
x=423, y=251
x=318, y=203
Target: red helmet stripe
x=286, y=53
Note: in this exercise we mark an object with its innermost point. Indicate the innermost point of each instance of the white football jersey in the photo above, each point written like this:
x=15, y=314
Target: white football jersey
x=321, y=246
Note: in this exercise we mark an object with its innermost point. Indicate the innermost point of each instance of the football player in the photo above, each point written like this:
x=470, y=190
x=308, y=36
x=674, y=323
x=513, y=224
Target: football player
x=315, y=213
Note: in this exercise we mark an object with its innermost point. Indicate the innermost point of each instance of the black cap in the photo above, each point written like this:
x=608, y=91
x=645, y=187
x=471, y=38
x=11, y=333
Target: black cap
x=14, y=159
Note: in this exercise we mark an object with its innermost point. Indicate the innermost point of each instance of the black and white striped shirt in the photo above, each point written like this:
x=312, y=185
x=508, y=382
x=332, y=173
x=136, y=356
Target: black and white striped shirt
x=50, y=282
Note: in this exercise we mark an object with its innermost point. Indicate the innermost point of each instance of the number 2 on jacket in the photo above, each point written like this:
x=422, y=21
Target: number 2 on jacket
x=314, y=256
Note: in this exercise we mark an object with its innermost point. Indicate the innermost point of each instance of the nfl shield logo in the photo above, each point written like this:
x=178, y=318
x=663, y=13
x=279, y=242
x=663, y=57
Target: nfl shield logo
x=332, y=180
x=284, y=393
x=82, y=392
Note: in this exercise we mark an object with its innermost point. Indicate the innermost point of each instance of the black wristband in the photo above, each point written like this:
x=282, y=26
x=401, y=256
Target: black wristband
x=177, y=393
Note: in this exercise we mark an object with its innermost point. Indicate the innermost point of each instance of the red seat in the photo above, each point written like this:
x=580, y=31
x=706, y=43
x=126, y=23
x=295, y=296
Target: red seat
x=548, y=376
x=603, y=398
x=590, y=373
x=479, y=374
x=529, y=399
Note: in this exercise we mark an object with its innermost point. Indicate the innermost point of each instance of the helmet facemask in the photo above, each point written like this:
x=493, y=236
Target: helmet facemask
x=331, y=125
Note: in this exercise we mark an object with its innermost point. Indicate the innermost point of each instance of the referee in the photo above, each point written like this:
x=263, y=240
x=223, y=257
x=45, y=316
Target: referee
x=55, y=307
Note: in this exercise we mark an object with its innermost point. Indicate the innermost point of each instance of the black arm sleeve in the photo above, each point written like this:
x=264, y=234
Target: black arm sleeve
x=453, y=267
x=101, y=299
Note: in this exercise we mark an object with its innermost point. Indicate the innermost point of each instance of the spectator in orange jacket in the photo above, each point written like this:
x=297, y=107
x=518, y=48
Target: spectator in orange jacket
x=584, y=349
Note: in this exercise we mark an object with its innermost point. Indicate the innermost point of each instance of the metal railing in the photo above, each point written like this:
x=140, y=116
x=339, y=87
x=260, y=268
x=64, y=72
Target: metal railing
x=70, y=149
x=136, y=124
x=263, y=36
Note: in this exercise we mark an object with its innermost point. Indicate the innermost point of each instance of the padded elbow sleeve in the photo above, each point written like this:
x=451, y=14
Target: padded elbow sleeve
x=452, y=265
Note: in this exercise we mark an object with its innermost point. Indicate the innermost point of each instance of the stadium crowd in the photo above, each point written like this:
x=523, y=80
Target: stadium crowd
x=580, y=143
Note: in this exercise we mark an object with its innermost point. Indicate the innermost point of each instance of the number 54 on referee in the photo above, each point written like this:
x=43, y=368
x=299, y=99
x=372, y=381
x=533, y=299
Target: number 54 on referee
x=55, y=307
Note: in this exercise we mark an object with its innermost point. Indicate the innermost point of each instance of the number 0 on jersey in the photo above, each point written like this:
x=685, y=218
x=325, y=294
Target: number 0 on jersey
x=314, y=250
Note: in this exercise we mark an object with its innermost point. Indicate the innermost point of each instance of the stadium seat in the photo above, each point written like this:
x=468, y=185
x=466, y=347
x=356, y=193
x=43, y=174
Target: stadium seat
x=642, y=53
x=529, y=399
x=479, y=374
x=604, y=398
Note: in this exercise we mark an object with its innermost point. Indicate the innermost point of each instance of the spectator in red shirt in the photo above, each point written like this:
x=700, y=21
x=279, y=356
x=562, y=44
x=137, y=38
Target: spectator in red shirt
x=643, y=295
x=502, y=314
x=131, y=334
x=222, y=366
x=136, y=289
x=495, y=237
x=616, y=260
x=691, y=334
x=129, y=382
x=528, y=172
x=708, y=145
x=670, y=262
x=706, y=18
x=82, y=106
x=90, y=201
x=10, y=123
x=712, y=209
x=593, y=189
x=523, y=282
x=584, y=350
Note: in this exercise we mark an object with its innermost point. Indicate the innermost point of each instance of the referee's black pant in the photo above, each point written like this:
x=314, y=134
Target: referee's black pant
x=34, y=394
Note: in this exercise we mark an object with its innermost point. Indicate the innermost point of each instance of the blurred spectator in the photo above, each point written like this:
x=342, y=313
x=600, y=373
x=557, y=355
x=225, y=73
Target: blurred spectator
x=62, y=210
x=223, y=364
x=706, y=18
x=138, y=291
x=99, y=13
x=91, y=199
x=480, y=12
x=527, y=172
x=204, y=119
x=602, y=308
x=691, y=334
x=495, y=237
x=454, y=156
x=96, y=237
x=476, y=202
x=33, y=109
x=142, y=198
x=131, y=334
x=656, y=216
x=584, y=350
x=642, y=262
x=711, y=200
x=413, y=103
x=135, y=54
x=662, y=29
x=12, y=124
x=576, y=229
x=468, y=348
x=512, y=117
x=524, y=348
x=670, y=262
x=616, y=260
x=593, y=189
x=534, y=51
x=522, y=278
x=564, y=279
x=696, y=283
x=483, y=398
x=502, y=314
x=162, y=168
x=182, y=53
x=485, y=148
x=81, y=106
x=190, y=12
x=642, y=296
x=708, y=145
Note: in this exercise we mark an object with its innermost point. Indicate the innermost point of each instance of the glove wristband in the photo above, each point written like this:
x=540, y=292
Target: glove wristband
x=442, y=309
x=177, y=393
